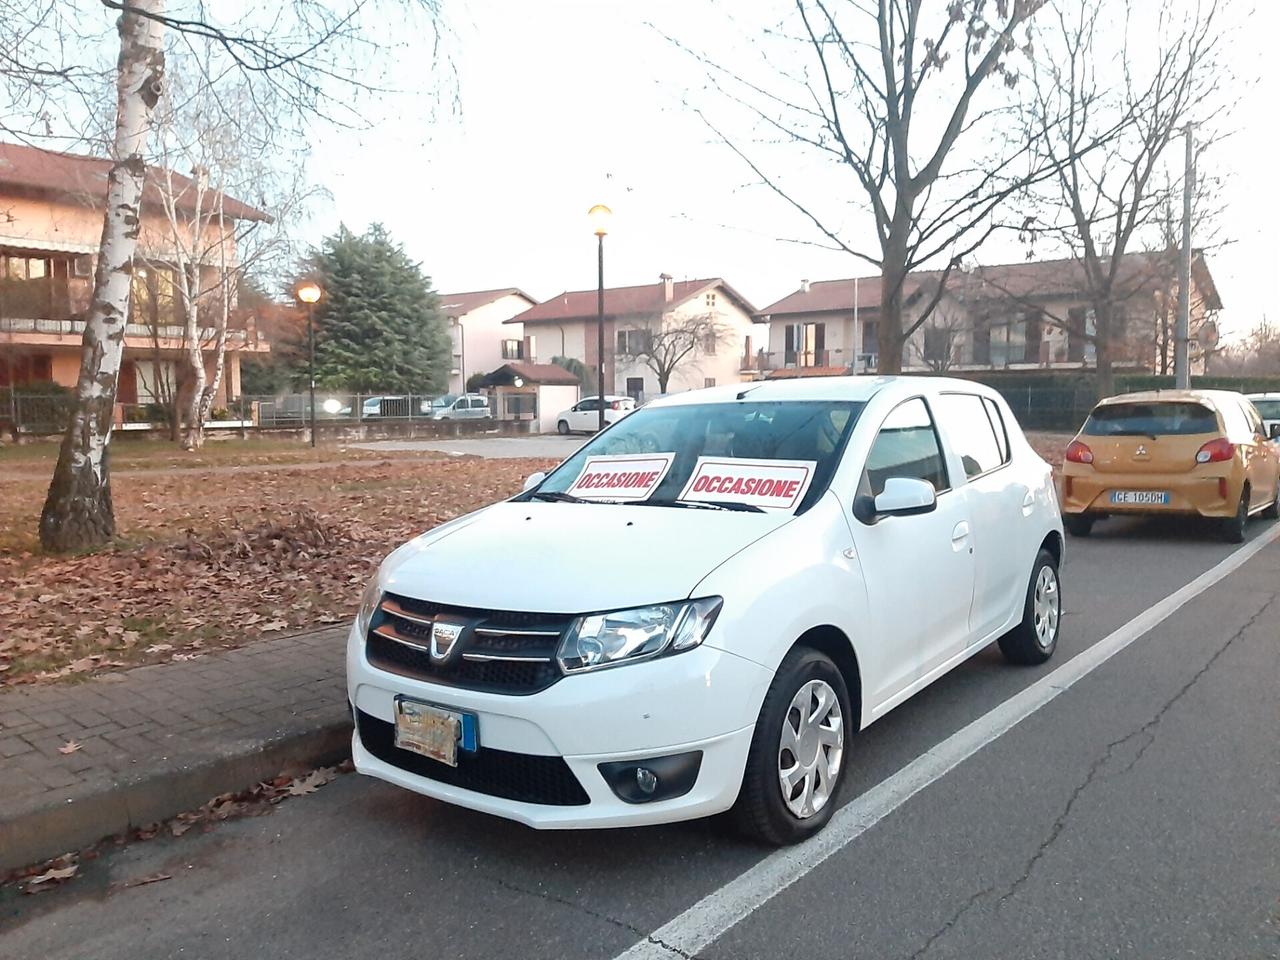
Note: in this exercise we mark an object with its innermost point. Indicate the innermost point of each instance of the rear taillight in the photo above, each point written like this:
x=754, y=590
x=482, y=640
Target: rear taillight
x=615, y=405
x=1078, y=452
x=1216, y=451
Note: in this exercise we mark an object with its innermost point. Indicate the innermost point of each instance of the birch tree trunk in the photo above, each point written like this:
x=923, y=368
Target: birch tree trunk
x=77, y=513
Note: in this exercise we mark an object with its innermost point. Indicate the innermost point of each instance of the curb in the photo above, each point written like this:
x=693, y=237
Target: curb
x=43, y=832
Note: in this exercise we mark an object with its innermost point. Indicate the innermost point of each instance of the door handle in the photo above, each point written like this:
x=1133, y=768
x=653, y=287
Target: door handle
x=961, y=532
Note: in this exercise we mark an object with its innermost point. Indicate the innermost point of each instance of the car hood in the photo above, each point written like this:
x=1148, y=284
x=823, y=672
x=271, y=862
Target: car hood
x=570, y=557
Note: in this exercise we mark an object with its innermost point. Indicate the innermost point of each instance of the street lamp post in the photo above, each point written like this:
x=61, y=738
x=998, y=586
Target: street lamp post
x=309, y=292
x=599, y=215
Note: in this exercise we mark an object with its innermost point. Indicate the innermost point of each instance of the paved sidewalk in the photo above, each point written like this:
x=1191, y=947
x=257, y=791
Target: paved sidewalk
x=158, y=740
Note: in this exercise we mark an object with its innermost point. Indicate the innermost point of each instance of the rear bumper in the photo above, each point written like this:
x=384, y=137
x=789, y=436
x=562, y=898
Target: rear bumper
x=1197, y=493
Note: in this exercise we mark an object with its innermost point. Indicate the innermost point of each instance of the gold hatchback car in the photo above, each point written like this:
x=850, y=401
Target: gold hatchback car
x=1183, y=452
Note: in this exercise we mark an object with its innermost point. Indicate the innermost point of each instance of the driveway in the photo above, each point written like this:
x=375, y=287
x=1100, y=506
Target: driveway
x=500, y=448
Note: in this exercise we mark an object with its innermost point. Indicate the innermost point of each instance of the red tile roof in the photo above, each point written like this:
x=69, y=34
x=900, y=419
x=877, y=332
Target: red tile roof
x=544, y=373
x=69, y=174
x=1028, y=280
x=456, y=304
x=794, y=373
x=646, y=298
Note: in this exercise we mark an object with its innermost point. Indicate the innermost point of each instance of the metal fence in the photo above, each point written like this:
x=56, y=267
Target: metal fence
x=33, y=413
x=1049, y=408
x=295, y=409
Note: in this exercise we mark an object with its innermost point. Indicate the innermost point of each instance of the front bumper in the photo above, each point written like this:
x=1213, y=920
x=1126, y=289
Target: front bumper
x=703, y=700
x=1197, y=493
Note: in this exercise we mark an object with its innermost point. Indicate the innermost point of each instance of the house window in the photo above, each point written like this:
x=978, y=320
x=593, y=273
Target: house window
x=154, y=300
x=806, y=344
x=709, y=381
x=512, y=350
x=711, y=302
x=25, y=288
x=1076, y=326
x=709, y=343
x=635, y=388
x=631, y=342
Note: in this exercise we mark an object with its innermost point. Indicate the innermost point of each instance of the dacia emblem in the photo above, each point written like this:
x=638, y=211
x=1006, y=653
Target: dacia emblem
x=443, y=638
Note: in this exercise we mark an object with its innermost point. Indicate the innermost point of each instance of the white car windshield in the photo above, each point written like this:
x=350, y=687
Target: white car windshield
x=678, y=443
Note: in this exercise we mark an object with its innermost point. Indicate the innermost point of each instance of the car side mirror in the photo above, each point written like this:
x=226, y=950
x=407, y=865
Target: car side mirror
x=901, y=497
x=533, y=480
x=1274, y=431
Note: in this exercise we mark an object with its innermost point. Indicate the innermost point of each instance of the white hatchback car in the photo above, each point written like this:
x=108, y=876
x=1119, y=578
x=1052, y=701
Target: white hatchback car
x=700, y=608
x=1268, y=407
x=584, y=416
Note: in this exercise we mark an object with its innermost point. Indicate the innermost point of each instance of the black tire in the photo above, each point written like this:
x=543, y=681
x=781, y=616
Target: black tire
x=1233, y=527
x=562, y=428
x=1023, y=645
x=1273, y=512
x=761, y=812
x=1077, y=524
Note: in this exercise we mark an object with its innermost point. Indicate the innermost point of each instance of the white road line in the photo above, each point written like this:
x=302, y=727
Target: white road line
x=721, y=910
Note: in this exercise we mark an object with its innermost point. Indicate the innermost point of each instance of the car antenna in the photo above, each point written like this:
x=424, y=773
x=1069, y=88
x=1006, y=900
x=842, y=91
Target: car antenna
x=742, y=395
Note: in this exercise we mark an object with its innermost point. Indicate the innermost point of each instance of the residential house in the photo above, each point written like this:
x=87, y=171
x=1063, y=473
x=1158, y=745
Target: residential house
x=481, y=338
x=1021, y=316
x=566, y=326
x=51, y=209
x=532, y=391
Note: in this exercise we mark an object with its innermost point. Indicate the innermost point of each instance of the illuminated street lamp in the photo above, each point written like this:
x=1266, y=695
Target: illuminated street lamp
x=309, y=292
x=599, y=216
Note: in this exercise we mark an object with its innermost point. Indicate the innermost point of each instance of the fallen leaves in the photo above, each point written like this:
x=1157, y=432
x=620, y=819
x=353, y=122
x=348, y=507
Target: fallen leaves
x=217, y=561
x=150, y=878
x=71, y=746
x=256, y=800
x=49, y=874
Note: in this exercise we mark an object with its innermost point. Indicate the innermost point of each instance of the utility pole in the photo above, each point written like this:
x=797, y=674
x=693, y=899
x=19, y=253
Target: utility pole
x=1182, y=332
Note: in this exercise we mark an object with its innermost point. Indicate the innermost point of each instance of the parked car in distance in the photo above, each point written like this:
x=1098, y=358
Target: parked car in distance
x=786, y=564
x=375, y=408
x=468, y=406
x=1182, y=452
x=1268, y=407
x=584, y=416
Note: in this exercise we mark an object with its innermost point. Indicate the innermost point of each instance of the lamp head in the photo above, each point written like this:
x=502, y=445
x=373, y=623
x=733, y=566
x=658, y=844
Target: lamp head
x=599, y=216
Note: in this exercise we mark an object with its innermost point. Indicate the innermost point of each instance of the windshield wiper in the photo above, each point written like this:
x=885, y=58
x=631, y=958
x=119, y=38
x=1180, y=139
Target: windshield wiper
x=703, y=505
x=555, y=496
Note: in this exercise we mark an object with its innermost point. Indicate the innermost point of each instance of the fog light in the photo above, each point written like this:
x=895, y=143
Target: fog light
x=646, y=780
x=650, y=779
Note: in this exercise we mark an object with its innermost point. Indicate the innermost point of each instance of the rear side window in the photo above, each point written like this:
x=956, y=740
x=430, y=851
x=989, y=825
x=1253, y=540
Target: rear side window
x=1150, y=419
x=906, y=446
x=967, y=426
x=997, y=424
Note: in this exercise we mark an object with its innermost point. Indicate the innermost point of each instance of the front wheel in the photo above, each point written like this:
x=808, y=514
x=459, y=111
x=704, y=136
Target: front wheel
x=1036, y=637
x=797, y=758
x=562, y=428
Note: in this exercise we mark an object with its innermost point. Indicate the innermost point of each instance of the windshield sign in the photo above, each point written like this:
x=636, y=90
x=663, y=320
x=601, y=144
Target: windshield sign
x=1150, y=420
x=747, y=456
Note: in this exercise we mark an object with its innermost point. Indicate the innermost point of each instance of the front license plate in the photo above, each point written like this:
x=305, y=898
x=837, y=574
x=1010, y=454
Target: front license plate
x=1158, y=498
x=433, y=731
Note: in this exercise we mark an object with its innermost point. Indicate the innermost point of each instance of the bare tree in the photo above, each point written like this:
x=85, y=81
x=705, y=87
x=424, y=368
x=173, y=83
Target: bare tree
x=1107, y=142
x=77, y=512
x=904, y=97
x=668, y=343
x=939, y=342
x=303, y=51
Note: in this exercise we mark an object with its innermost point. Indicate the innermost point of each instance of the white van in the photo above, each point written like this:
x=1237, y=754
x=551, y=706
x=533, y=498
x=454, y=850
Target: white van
x=699, y=609
x=469, y=406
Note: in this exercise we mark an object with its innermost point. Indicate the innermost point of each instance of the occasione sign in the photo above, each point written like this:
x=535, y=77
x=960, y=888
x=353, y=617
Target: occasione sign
x=621, y=479
x=769, y=484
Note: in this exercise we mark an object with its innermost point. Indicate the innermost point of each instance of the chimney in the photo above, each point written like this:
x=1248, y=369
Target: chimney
x=668, y=289
x=804, y=286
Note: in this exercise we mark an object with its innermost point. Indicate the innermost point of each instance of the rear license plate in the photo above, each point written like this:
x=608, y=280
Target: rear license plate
x=433, y=731
x=1144, y=498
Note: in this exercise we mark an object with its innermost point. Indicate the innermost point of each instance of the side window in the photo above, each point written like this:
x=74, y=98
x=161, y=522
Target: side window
x=997, y=424
x=967, y=427
x=906, y=446
x=588, y=405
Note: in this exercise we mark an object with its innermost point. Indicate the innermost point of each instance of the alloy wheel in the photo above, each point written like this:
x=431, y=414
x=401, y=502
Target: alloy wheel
x=811, y=749
x=1045, y=607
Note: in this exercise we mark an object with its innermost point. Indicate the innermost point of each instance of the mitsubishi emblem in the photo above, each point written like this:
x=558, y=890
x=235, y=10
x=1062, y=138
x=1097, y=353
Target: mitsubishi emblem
x=1141, y=451
x=443, y=637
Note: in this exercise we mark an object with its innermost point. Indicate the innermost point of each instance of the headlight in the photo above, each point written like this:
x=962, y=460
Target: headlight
x=368, y=605
x=600, y=640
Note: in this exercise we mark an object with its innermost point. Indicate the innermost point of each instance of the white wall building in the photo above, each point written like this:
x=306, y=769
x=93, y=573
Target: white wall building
x=482, y=339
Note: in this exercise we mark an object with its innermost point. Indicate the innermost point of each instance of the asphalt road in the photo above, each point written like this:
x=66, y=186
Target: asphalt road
x=1134, y=815
x=501, y=448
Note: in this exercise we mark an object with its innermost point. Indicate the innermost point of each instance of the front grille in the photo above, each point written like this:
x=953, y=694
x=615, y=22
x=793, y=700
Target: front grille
x=500, y=651
x=496, y=773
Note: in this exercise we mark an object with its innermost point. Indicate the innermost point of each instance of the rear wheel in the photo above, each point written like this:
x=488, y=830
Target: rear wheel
x=1233, y=527
x=1077, y=524
x=796, y=763
x=562, y=428
x=1036, y=637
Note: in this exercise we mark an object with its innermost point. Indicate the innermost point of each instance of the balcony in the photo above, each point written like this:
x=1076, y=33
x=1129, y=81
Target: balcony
x=13, y=329
x=800, y=360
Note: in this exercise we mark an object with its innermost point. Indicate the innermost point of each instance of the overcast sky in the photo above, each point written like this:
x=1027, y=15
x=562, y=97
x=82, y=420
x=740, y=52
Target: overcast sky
x=565, y=104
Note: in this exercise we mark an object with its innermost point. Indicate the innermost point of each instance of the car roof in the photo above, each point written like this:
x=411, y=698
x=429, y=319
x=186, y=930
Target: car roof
x=1273, y=395
x=1213, y=398
x=858, y=389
